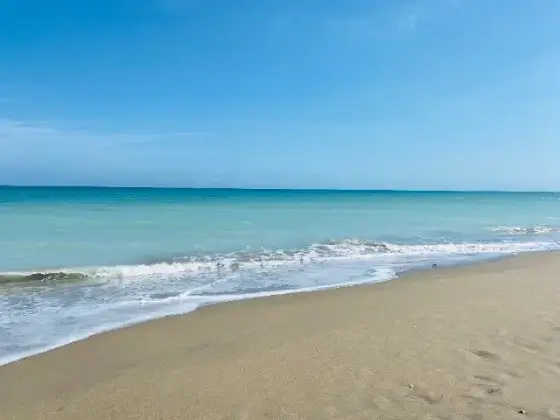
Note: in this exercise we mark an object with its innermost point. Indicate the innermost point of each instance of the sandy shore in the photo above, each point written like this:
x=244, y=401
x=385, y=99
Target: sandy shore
x=480, y=342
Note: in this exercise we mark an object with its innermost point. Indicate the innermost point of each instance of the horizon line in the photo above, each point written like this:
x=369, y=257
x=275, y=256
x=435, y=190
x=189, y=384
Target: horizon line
x=420, y=190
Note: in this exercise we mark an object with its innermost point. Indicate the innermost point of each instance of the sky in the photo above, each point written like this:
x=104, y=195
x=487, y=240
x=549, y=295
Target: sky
x=354, y=94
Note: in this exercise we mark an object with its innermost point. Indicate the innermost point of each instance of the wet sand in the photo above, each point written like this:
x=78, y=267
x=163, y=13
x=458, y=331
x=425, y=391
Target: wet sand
x=478, y=342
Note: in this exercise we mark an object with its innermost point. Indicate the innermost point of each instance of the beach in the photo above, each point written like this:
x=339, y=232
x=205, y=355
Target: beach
x=477, y=342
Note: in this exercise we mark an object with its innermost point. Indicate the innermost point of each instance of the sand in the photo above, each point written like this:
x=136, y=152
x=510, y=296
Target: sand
x=479, y=342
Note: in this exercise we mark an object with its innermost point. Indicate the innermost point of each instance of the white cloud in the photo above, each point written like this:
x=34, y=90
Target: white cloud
x=16, y=132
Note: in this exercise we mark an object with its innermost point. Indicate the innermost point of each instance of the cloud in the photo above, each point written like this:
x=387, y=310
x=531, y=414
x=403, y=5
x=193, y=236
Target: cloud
x=391, y=19
x=164, y=138
x=408, y=23
x=20, y=135
x=190, y=134
x=38, y=153
x=19, y=132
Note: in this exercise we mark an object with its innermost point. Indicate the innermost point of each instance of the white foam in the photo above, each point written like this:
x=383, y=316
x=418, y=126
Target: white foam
x=182, y=304
x=62, y=341
x=472, y=248
x=519, y=230
x=382, y=274
x=342, y=250
x=130, y=294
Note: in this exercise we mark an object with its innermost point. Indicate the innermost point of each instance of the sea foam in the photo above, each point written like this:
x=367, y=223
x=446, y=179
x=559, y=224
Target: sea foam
x=330, y=251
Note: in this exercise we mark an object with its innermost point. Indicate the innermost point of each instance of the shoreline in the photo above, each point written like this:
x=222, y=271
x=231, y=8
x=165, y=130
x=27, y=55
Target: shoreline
x=266, y=295
x=476, y=339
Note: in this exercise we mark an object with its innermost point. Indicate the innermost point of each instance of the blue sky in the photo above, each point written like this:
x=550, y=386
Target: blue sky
x=398, y=94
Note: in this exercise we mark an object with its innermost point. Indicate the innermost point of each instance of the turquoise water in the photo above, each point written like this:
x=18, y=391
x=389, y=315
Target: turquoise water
x=78, y=261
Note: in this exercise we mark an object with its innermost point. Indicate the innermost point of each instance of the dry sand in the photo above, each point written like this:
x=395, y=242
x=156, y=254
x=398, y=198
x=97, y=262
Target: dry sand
x=480, y=342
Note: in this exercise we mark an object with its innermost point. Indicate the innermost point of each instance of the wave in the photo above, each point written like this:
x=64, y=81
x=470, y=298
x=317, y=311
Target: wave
x=333, y=250
x=519, y=230
x=47, y=277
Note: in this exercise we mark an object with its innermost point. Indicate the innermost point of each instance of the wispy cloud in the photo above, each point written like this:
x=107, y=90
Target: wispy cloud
x=394, y=18
x=163, y=138
x=18, y=130
x=39, y=153
x=21, y=138
x=408, y=23
x=189, y=134
x=24, y=133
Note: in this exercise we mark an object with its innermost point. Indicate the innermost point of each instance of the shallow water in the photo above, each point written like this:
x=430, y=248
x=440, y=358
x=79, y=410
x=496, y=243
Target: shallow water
x=77, y=261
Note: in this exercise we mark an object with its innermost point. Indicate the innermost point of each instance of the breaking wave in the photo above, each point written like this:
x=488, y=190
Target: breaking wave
x=47, y=277
x=333, y=250
x=519, y=230
x=93, y=300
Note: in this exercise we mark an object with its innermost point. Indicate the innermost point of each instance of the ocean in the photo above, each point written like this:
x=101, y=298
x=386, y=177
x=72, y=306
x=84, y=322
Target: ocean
x=78, y=261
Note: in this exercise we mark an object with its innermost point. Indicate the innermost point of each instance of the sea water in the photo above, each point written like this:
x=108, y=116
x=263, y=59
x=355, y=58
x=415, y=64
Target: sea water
x=79, y=261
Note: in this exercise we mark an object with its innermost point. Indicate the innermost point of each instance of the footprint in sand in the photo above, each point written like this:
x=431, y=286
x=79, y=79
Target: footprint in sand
x=528, y=345
x=430, y=398
x=488, y=355
x=491, y=390
x=555, y=367
x=425, y=395
x=489, y=379
x=481, y=391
